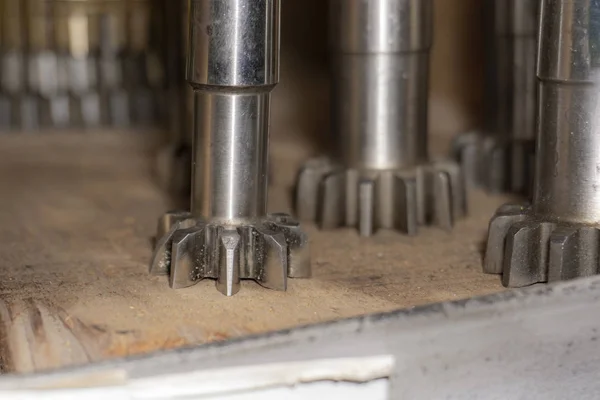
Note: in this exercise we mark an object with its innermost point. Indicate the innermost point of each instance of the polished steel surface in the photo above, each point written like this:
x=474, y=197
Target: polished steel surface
x=230, y=156
x=380, y=176
x=568, y=178
x=558, y=236
x=382, y=119
x=380, y=26
x=233, y=65
x=235, y=43
x=380, y=61
x=500, y=157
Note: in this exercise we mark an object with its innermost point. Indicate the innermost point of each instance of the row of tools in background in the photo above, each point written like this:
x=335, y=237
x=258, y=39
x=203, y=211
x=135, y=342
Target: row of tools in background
x=379, y=175
x=81, y=64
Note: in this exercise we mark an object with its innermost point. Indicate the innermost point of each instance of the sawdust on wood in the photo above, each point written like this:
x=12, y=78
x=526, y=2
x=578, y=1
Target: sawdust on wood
x=75, y=234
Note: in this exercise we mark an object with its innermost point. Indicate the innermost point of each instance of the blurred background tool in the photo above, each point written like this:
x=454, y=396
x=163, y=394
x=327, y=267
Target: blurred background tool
x=19, y=108
x=558, y=236
x=174, y=160
x=75, y=64
x=500, y=157
x=379, y=174
x=233, y=65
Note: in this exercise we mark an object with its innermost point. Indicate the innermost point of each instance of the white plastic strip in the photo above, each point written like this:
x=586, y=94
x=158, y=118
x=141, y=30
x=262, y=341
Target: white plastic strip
x=336, y=377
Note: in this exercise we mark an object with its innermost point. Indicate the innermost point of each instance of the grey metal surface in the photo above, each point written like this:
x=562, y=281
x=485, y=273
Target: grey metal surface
x=557, y=236
x=233, y=65
x=500, y=157
x=230, y=156
x=380, y=175
x=380, y=56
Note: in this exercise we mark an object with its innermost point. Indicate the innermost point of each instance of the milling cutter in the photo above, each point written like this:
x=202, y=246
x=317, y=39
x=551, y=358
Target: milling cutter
x=381, y=175
x=557, y=237
x=501, y=157
x=233, y=65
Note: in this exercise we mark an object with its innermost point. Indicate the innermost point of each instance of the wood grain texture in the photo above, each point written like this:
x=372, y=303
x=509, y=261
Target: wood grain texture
x=77, y=215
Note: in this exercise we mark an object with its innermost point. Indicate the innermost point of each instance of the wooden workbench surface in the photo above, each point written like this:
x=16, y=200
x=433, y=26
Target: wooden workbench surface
x=77, y=214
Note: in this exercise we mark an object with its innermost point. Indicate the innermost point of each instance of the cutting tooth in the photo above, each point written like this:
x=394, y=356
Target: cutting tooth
x=168, y=220
x=351, y=200
x=405, y=195
x=298, y=248
x=184, y=257
x=331, y=200
x=161, y=258
x=271, y=252
x=529, y=250
x=466, y=149
x=385, y=206
x=573, y=253
x=442, y=200
x=228, y=281
x=457, y=188
x=422, y=177
x=307, y=189
x=366, y=207
x=249, y=257
x=526, y=254
x=496, y=169
x=506, y=216
x=562, y=255
x=209, y=257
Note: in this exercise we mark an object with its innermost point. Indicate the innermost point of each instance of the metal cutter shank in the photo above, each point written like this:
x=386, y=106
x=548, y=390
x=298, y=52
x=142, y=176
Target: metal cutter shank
x=558, y=236
x=380, y=175
x=233, y=65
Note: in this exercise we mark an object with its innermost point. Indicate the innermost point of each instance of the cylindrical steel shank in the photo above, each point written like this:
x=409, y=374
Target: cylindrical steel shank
x=233, y=64
x=380, y=61
x=568, y=143
x=510, y=84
